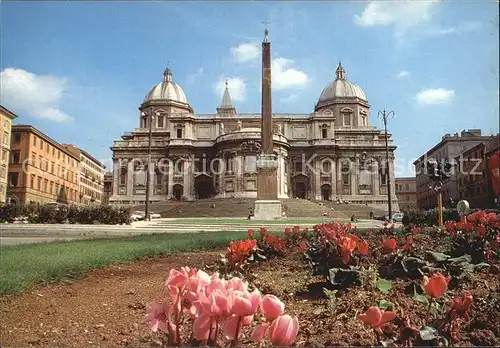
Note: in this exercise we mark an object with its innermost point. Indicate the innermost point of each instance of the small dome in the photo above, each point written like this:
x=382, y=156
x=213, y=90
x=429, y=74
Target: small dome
x=341, y=88
x=167, y=90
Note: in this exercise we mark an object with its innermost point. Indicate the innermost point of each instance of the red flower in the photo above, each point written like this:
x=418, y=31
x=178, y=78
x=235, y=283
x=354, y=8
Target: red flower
x=481, y=229
x=376, y=317
x=303, y=246
x=296, y=229
x=363, y=248
x=346, y=248
x=463, y=304
x=389, y=244
x=369, y=234
x=250, y=233
x=415, y=230
x=288, y=230
x=436, y=286
x=409, y=243
x=263, y=232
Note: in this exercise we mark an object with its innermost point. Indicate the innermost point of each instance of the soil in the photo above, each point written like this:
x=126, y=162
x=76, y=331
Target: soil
x=107, y=306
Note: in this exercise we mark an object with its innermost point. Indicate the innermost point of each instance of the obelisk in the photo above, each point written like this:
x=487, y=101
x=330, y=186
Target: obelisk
x=267, y=205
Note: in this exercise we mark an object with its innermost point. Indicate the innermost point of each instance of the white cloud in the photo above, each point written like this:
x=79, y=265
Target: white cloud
x=284, y=76
x=37, y=95
x=245, y=52
x=435, y=96
x=289, y=99
x=237, y=88
x=460, y=29
x=194, y=76
x=402, y=74
x=403, y=15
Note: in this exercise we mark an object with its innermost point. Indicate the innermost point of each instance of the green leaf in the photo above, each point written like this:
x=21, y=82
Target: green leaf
x=384, y=305
x=438, y=256
x=419, y=297
x=384, y=285
x=428, y=333
x=436, y=308
x=481, y=266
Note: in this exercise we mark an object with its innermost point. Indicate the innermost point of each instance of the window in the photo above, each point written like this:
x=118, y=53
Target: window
x=407, y=198
x=53, y=151
x=123, y=176
x=58, y=154
x=324, y=133
x=407, y=186
x=4, y=156
x=39, y=183
x=363, y=121
x=179, y=133
x=2, y=172
x=32, y=181
x=298, y=167
x=41, y=144
x=158, y=177
x=347, y=119
x=51, y=187
x=17, y=137
x=345, y=179
x=13, y=179
x=45, y=185
x=327, y=166
x=40, y=163
x=160, y=122
x=34, y=141
x=6, y=138
x=14, y=157
x=52, y=167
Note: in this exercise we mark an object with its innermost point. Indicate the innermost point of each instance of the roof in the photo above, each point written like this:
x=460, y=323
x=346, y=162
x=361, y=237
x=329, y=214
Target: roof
x=31, y=129
x=76, y=149
x=7, y=112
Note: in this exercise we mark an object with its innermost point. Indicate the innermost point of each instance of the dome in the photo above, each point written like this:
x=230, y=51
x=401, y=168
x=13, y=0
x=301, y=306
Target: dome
x=167, y=90
x=341, y=88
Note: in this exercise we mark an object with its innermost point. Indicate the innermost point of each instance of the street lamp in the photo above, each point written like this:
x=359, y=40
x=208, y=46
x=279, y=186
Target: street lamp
x=384, y=115
x=150, y=117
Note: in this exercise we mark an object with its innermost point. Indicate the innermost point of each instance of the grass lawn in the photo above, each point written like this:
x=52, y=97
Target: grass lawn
x=23, y=266
x=263, y=223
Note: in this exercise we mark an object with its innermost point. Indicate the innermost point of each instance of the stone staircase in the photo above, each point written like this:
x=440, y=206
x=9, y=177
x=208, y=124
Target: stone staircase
x=358, y=210
x=241, y=207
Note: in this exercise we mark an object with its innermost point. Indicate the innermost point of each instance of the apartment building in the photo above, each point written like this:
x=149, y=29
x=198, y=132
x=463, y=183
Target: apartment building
x=447, y=149
x=474, y=182
x=406, y=191
x=41, y=170
x=91, y=176
x=108, y=187
x=6, y=118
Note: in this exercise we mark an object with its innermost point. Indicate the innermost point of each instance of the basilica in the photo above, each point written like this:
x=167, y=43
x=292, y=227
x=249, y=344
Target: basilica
x=333, y=153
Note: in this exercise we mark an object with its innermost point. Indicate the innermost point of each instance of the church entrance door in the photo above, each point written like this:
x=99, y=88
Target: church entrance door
x=300, y=186
x=177, y=191
x=326, y=192
x=203, y=186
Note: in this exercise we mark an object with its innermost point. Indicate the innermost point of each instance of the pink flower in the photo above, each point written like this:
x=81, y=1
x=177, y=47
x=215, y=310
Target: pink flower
x=201, y=327
x=231, y=326
x=376, y=317
x=271, y=307
x=288, y=230
x=157, y=316
x=259, y=332
x=284, y=330
x=236, y=284
x=245, y=303
x=250, y=233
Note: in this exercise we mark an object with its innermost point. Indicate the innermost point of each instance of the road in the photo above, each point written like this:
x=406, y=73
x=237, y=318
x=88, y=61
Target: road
x=11, y=234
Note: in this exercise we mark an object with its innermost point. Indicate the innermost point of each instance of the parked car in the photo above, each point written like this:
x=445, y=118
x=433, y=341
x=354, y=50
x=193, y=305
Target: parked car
x=396, y=217
x=138, y=215
x=154, y=215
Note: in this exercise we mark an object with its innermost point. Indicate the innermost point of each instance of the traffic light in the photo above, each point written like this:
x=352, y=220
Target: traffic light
x=446, y=172
x=433, y=170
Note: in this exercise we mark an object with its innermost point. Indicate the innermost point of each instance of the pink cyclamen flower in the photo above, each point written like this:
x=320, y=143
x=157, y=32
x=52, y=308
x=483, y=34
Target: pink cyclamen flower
x=259, y=332
x=283, y=330
x=271, y=307
x=157, y=316
x=201, y=327
x=230, y=327
x=244, y=303
x=376, y=317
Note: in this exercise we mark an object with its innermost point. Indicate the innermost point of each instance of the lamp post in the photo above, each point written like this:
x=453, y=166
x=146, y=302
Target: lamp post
x=148, y=172
x=385, y=115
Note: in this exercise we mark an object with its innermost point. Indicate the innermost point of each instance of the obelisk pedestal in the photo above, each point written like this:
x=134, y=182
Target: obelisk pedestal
x=267, y=206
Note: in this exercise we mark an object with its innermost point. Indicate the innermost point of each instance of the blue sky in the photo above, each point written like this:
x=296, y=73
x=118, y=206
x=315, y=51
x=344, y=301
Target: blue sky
x=78, y=71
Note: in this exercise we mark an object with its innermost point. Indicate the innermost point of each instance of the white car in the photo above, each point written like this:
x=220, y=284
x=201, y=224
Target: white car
x=154, y=215
x=396, y=217
x=138, y=215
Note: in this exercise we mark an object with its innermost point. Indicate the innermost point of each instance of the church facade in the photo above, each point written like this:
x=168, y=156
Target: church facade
x=332, y=153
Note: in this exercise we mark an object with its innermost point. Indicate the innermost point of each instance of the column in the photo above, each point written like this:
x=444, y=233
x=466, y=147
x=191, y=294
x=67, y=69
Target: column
x=354, y=177
x=130, y=178
x=339, y=177
x=282, y=175
x=334, y=177
x=116, y=176
x=393, y=179
x=317, y=179
x=170, y=180
x=375, y=178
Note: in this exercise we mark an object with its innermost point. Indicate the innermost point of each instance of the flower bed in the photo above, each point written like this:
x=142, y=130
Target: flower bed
x=344, y=288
